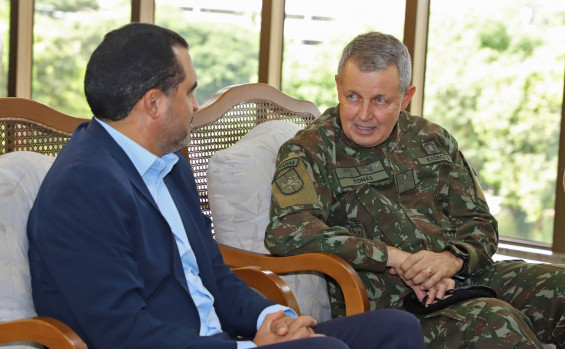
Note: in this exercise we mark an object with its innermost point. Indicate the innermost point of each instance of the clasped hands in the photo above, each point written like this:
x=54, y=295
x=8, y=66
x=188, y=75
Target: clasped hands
x=427, y=273
x=278, y=327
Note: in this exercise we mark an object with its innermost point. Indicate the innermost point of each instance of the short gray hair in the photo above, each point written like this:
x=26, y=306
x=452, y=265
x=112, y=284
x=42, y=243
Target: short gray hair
x=377, y=51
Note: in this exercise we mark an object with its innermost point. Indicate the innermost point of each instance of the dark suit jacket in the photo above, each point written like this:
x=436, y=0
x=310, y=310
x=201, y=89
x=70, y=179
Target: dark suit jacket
x=104, y=261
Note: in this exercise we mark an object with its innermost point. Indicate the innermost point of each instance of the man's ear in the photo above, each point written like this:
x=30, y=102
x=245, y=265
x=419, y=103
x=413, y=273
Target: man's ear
x=337, y=87
x=337, y=82
x=408, y=96
x=153, y=102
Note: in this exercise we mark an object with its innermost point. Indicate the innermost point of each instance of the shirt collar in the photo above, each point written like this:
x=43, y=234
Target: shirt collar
x=141, y=158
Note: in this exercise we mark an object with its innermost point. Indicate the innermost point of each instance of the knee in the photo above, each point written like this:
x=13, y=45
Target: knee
x=403, y=330
x=499, y=319
x=404, y=321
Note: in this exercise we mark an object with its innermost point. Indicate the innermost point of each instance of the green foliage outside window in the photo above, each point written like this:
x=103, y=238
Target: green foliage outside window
x=223, y=54
x=4, y=45
x=494, y=84
x=65, y=34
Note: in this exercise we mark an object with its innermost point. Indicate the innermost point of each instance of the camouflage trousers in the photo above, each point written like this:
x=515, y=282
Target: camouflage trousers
x=529, y=309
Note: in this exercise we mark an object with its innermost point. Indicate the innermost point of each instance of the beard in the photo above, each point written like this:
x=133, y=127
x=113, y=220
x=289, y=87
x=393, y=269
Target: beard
x=175, y=136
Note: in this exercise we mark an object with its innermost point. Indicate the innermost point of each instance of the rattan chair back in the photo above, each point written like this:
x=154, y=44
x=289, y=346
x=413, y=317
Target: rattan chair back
x=230, y=114
x=27, y=125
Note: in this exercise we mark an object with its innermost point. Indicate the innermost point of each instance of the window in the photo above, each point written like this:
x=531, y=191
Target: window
x=224, y=39
x=4, y=45
x=65, y=34
x=315, y=33
x=494, y=79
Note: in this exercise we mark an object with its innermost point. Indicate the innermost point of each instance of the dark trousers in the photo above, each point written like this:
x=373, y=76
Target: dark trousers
x=385, y=328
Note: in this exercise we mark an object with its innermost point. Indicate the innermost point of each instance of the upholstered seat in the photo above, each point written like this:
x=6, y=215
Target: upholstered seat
x=21, y=174
x=239, y=191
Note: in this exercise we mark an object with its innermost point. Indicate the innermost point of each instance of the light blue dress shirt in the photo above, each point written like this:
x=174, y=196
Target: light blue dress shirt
x=153, y=170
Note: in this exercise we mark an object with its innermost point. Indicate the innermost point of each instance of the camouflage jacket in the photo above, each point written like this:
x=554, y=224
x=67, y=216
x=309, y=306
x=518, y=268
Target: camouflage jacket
x=413, y=192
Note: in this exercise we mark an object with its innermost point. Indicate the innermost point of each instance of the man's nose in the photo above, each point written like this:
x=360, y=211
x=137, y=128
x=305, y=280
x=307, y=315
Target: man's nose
x=195, y=105
x=365, y=113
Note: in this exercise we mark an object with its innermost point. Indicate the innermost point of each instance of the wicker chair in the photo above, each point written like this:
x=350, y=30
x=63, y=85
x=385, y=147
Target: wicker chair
x=29, y=126
x=226, y=117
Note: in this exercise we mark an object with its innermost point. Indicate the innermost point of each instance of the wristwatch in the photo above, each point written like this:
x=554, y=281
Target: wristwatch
x=460, y=253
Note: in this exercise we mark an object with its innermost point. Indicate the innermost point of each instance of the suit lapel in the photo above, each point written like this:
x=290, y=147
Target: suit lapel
x=190, y=211
x=97, y=131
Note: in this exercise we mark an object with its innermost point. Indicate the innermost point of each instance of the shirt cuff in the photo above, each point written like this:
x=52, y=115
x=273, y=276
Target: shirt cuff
x=273, y=309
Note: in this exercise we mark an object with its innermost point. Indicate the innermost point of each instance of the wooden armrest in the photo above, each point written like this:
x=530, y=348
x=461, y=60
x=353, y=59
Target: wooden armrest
x=269, y=284
x=354, y=292
x=43, y=330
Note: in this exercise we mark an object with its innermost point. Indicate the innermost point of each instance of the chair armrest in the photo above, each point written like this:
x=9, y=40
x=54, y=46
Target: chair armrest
x=354, y=292
x=269, y=284
x=43, y=330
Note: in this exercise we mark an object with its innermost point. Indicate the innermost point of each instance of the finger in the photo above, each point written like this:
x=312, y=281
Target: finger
x=410, y=262
x=421, y=271
x=431, y=296
x=437, y=277
x=276, y=323
x=301, y=323
x=303, y=332
x=420, y=294
x=271, y=317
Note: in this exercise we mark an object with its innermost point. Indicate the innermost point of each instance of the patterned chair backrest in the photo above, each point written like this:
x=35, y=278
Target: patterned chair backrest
x=230, y=114
x=27, y=125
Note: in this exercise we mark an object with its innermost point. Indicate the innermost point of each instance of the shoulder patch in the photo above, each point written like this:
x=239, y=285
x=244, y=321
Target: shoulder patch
x=289, y=182
x=293, y=185
x=292, y=162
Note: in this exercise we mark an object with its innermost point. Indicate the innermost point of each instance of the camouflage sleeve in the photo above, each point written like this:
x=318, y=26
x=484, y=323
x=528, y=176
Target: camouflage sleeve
x=300, y=207
x=476, y=228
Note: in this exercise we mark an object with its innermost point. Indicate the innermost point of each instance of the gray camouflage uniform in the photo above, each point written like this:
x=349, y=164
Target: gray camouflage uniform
x=413, y=192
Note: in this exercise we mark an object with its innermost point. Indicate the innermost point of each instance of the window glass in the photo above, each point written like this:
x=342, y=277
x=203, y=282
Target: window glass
x=223, y=36
x=65, y=34
x=315, y=33
x=4, y=45
x=494, y=79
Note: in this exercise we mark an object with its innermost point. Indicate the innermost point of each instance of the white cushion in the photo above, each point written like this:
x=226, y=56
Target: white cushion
x=239, y=192
x=21, y=173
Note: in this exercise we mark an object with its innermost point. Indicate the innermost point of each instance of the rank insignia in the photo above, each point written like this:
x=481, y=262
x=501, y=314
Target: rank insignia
x=405, y=181
x=430, y=148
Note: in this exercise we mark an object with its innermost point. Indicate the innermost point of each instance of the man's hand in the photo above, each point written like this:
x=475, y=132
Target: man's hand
x=280, y=328
x=427, y=273
x=428, y=269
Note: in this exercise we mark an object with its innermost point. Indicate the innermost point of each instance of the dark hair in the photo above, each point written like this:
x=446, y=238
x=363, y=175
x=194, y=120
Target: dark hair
x=376, y=51
x=129, y=62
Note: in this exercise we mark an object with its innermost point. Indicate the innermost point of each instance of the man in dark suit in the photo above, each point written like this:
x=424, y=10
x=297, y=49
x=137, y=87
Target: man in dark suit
x=119, y=249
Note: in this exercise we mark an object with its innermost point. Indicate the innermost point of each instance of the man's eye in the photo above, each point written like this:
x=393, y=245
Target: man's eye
x=380, y=100
x=352, y=97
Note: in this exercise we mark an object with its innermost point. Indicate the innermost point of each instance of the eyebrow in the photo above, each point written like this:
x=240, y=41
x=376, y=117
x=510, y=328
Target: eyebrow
x=193, y=86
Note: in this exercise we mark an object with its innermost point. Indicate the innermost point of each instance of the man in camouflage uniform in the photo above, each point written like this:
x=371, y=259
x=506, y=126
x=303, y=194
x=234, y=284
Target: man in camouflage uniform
x=392, y=194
